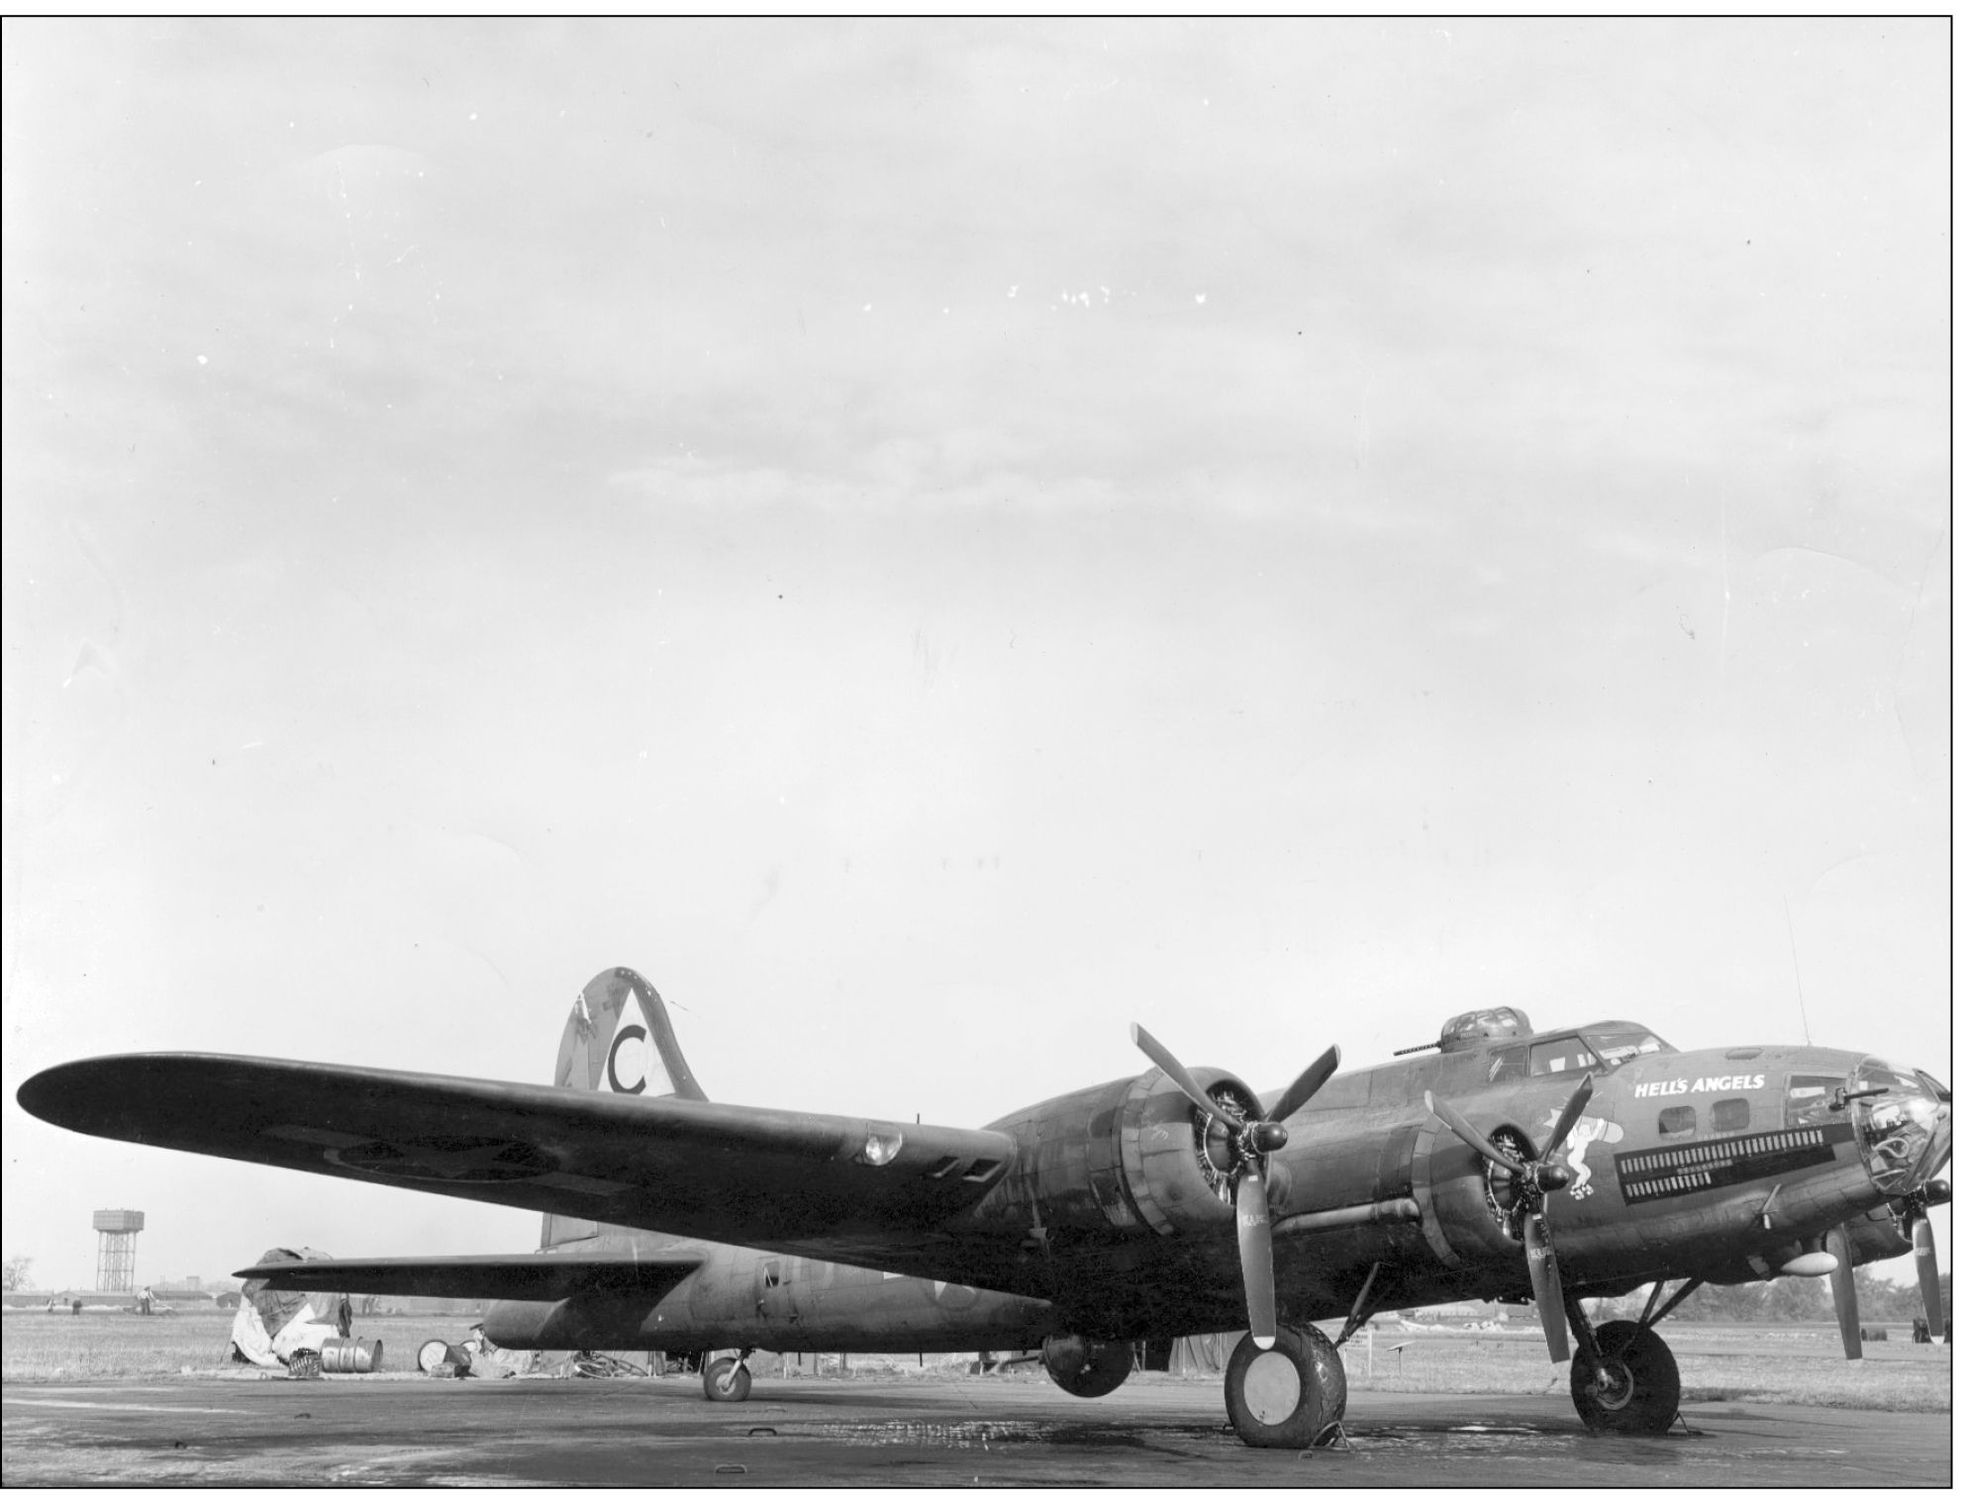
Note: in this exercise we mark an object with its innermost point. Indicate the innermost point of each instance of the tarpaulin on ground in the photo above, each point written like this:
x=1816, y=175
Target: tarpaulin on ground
x=1203, y=1354
x=273, y=1324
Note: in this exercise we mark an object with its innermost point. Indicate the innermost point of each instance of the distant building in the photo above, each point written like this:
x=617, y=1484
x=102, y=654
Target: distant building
x=182, y=1294
x=1466, y=1313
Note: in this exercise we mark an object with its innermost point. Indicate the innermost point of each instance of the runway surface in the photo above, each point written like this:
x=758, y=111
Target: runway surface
x=412, y=1430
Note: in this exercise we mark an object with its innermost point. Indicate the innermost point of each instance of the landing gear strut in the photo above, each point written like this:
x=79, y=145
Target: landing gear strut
x=727, y=1380
x=1292, y=1395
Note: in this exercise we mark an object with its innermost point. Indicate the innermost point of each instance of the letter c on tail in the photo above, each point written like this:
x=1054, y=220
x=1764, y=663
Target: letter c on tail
x=633, y=1031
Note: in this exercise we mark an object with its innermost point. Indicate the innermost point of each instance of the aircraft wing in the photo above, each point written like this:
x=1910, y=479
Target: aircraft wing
x=848, y=1189
x=529, y=1276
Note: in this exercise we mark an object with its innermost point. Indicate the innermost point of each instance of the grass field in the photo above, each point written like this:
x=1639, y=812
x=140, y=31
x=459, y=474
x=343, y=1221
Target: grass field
x=36, y=1347
x=1747, y=1364
x=1753, y=1364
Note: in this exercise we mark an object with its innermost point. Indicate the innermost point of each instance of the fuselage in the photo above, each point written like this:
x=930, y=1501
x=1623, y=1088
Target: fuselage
x=743, y=1297
x=1722, y=1164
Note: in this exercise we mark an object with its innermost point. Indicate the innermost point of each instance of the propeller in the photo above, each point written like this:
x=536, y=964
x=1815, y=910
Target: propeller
x=1844, y=1292
x=1250, y=1142
x=1535, y=1178
x=1919, y=1232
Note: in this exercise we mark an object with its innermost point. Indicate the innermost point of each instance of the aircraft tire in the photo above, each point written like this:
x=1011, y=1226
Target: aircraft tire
x=1291, y=1396
x=716, y=1374
x=1646, y=1392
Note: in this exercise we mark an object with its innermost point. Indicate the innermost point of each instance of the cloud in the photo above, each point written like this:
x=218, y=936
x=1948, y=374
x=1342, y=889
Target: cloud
x=899, y=478
x=1453, y=599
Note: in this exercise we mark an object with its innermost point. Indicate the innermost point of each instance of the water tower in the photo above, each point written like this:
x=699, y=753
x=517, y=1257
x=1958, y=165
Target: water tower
x=116, y=1255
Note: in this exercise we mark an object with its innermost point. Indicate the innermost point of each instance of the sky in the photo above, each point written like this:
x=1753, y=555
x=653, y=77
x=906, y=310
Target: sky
x=935, y=541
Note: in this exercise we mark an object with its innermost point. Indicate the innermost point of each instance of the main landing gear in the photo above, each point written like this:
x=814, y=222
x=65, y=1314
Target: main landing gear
x=1292, y=1395
x=1634, y=1387
x=1624, y=1380
x=727, y=1380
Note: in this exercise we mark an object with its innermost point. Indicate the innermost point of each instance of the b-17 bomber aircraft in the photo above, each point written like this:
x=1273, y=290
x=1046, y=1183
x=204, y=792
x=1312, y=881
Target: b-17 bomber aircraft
x=1496, y=1163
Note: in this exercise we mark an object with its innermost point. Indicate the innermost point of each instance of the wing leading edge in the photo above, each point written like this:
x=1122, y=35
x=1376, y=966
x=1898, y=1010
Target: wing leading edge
x=849, y=1189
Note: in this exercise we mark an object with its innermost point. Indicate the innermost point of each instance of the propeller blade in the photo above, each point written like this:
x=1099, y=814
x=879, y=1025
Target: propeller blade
x=1567, y=1119
x=1305, y=1086
x=1173, y=1068
x=1456, y=1123
x=1844, y=1292
x=1928, y=1263
x=1547, y=1287
x=1253, y=1246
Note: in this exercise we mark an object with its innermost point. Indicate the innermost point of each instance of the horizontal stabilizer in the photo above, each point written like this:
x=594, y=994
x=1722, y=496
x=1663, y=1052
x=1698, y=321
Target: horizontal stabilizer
x=526, y=1276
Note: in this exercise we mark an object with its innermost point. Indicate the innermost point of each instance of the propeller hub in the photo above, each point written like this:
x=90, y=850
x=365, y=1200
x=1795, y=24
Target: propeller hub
x=1553, y=1176
x=1267, y=1137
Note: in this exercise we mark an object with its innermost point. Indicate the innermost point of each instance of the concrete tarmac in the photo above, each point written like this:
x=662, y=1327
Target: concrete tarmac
x=410, y=1430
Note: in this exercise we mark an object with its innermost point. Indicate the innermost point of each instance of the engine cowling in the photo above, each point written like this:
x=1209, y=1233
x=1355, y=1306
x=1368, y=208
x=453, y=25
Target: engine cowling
x=1475, y=1207
x=1131, y=1154
x=1178, y=1163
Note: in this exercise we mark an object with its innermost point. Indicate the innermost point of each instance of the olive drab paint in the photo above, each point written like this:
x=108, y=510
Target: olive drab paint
x=618, y=1038
x=1586, y=1162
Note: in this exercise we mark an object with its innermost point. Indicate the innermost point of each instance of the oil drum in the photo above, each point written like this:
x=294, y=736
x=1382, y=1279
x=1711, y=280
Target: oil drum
x=434, y=1354
x=344, y=1354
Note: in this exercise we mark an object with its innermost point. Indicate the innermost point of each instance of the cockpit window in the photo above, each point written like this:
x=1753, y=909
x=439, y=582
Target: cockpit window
x=1562, y=1056
x=1617, y=1045
x=1510, y=1064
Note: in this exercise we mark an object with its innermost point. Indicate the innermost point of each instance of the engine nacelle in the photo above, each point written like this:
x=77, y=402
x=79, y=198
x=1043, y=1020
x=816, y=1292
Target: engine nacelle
x=1130, y=1155
x=1477, y=1207
x=1087, y=1369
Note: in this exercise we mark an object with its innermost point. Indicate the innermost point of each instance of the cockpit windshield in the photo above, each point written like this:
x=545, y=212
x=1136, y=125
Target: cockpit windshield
x=1618, y=1042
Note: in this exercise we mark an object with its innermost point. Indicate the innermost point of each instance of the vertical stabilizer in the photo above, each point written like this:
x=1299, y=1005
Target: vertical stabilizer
x=617, y=1039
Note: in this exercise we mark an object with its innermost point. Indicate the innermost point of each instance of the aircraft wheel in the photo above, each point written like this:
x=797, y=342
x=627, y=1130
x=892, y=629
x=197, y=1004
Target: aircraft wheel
x=1331, y=1373
x=1643, y=1394
x=726, y=1381
x=1290, y=1396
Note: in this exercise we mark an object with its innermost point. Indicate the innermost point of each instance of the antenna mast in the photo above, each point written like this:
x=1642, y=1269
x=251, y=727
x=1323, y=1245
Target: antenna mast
x=1796, y=968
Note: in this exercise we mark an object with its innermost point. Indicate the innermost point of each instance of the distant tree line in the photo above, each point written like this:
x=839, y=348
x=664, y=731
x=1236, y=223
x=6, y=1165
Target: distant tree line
x=1784, y=1300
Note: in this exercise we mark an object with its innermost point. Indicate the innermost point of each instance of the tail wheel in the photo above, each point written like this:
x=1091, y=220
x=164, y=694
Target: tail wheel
x=1640, y=1392
x=1291, y=1395
x=726, y=1381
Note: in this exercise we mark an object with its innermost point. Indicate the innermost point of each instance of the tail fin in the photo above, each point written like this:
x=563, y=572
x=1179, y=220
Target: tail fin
x=617, y=1039
x=610, y=1046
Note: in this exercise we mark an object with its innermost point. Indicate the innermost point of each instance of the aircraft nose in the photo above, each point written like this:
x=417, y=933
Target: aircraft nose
x=1942, y=1146
x=1904, y=1121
